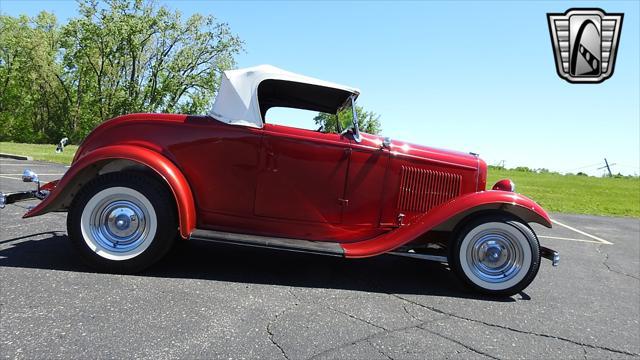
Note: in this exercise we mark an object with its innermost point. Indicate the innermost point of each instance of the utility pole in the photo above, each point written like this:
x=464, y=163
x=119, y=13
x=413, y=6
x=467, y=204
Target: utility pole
x=607, y=166
x=606, y=163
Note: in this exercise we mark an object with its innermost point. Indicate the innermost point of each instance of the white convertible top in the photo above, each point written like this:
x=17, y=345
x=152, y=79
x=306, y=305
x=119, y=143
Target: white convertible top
x=245, y=95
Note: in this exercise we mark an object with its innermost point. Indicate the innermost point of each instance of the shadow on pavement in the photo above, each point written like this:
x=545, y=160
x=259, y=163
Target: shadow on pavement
x=208, y=261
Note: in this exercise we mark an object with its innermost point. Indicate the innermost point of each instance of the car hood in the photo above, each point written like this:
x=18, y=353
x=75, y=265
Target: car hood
x=428, y=153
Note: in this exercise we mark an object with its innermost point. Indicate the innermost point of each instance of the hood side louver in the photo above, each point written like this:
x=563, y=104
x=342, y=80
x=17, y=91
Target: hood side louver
x=422, y=190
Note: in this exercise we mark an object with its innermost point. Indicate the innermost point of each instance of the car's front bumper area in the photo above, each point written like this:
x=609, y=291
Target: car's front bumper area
x=550, y=254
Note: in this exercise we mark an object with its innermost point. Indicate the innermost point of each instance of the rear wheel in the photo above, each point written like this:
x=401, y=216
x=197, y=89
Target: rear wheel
x=496, y=255
x=122, y=222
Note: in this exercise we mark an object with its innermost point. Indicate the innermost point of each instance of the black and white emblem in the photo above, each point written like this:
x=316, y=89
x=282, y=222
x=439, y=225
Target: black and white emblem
x=585, y=43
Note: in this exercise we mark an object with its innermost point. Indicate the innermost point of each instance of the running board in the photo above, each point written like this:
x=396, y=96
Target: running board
x=314, y=247
x=436, y=258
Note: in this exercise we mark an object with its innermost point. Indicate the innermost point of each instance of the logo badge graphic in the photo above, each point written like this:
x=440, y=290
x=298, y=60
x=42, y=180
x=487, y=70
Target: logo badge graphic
x=585, y=43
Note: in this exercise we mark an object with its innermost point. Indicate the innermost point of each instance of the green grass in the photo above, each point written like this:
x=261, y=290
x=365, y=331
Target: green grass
x=40, y=151
x=560, y=193
x=575, y=194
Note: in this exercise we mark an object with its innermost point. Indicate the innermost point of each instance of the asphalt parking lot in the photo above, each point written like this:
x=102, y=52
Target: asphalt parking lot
x=212, y=301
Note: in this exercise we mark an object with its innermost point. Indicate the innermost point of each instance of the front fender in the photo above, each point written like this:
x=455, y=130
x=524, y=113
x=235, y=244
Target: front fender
x=71, y=182
x=447, y=216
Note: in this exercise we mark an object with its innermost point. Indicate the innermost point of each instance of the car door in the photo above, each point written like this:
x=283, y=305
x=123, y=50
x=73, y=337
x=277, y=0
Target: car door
x=302, y=175
x=366, y=178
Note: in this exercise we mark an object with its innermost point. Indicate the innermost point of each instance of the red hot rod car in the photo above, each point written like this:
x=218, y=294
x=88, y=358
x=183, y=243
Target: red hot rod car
x=139, y=180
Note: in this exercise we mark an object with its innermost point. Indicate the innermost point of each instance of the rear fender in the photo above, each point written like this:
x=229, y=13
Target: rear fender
x=90, y=165
x=446, y=217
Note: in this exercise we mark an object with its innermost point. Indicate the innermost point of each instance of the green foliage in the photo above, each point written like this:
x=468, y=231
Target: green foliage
x=30, y=105
x=369, y=122
x=114, y=58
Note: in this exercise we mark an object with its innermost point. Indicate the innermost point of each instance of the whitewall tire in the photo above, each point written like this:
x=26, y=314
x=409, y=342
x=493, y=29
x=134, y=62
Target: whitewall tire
x=496, y=255
x=122, y=222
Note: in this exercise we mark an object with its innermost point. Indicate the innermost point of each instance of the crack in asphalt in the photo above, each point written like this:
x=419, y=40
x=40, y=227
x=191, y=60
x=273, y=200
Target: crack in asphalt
x=466, y=346
x=367, y=338
x=436, y=310
x=357, y=318
x=368, y=323
x=271, y=334
x=275, y=319
x=385, y=331
x=606, y=264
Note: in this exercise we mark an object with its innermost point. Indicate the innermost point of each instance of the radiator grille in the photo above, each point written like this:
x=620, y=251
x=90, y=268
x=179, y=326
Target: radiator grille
x=421, y=190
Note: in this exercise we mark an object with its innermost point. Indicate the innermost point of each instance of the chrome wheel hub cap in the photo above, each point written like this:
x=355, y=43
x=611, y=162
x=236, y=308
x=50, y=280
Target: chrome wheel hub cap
x=495, y=256
x=119, y=225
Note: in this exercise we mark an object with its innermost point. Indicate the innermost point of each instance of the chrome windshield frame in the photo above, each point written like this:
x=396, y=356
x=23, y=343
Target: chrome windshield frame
x=356, y=128
x=351, y=101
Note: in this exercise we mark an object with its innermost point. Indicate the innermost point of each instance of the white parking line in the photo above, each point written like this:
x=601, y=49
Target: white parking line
x=25, y=165
x=38, y=174
x=6, y=177
x=568, y=239
x=601, y=241
x=20, y=179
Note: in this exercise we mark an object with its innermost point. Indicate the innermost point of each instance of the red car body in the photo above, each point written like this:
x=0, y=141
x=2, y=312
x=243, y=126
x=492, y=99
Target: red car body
x=236, y=179
x=294, y=183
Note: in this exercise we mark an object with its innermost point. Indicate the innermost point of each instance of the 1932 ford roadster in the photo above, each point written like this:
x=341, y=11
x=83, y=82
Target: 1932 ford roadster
x=138, y=181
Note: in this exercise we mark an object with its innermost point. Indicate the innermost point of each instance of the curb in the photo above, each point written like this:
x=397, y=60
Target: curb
x=16, y=157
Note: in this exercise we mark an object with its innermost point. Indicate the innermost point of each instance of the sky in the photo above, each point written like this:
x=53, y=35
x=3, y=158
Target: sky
x=471, y=76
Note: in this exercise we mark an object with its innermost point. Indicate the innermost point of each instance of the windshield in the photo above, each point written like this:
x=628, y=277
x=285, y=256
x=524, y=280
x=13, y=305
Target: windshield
x=346, y=118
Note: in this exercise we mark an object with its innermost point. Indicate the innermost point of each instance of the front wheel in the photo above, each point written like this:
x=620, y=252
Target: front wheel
x=496, y=255
x=122, y=222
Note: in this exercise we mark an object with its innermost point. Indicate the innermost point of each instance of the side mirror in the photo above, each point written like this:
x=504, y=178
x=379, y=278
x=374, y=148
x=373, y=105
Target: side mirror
x=386, y=142
x=30, y=176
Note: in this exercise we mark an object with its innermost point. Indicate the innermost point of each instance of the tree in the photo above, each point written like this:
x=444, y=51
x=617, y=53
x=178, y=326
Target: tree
x=30, y=97
x=368, y=122
x=116, y=57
